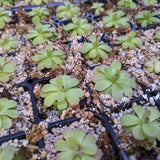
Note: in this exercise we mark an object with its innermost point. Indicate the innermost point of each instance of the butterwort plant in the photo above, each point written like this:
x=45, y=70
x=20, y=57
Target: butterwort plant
x=6, y=68
x=61, y=92
x=8, y=42
x=115, y=19
x=113, y=81
x=126, y=4
x=38, y=2
x=147, y=18
x=47, y=58
x=95, y=49
x=150, y=2
x=77, y=145
x=130, y=41
x=42, y=33
x=38, y=14
x=6, y=2
x=143, y=124
x=68, y=10
x=153, y=66
x=98, y=7
x=4, y=17
x=7, y=111
x=78, y=27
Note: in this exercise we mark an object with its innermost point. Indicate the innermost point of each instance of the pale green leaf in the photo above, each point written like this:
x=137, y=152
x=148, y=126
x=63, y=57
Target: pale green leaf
x=138, y=132
x=139, y=110
x=130, y=120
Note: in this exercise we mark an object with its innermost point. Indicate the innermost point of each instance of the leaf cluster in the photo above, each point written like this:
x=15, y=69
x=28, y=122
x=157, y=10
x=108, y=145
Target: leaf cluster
x=95, y=49
x=7, y=2
x=143, y=124
x=38, y=2
x=115, y=19
x=129, y=41
x=157, y=35
x=61, y=92
x=113, y=81
x=78, y=27
x=98, y=7
x=153, y=66
x=42, y=33
x=5, y=69
x=8, y=42
x=4, y=17
x=68, y=10
x=147, y=18
x=6, y=112
x=77, y=145
x=126, y=4
x=49, y=58
x=38, y=14
x=7, y=153
x=150, y=2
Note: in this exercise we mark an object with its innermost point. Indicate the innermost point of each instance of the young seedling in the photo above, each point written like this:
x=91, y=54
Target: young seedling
x=150, y=2
x=77, y=145
x=113, y=81
x=95, y=49
x=126, y=4
x=7, y=153
x=5, y=2
x=115, y=19
x=78, y=27
x=38, y=2
x=42, y=33
x=6, y=68
x=129, y=41
x=6, y=112
x=61, y=92
x=68, y=10
x=143, y=124
x=157, y=35
x=8, y=42
x=147, y=18
x=38, y=14
x=4, y=17
x=153, y=66
x=48, y=58
x=98, y=7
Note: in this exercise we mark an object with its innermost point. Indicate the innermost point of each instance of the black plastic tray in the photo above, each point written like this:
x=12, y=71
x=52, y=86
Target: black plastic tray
x=29, y=84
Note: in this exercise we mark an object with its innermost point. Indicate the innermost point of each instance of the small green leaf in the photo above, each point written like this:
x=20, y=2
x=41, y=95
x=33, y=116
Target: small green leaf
x=72, y=143
x=62, y=105
x=127, y=90
x=138, y=132
x=139, y=110
x=6, y=122
x=7, y=153
x=130, y=120
x=151, y=130
x=102, y=85
x=155, y=114
x=10, y=113
x=115, y=66
x=85, y=48
x=66, y=155
x=61, y=145
x=80, y=135
x=49, y=88
x=117, y=92
x=49, y=100
x=89, y=145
